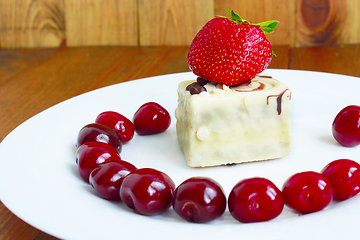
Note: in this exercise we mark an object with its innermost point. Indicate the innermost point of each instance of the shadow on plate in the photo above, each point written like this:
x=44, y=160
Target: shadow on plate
x=329, y=140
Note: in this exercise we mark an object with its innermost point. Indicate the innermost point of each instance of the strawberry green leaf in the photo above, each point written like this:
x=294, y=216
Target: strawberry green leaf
x=268, y=26
x=266, y=23
x=273, y=53
x=235, y=17
x=267, y=30
x=273, y=24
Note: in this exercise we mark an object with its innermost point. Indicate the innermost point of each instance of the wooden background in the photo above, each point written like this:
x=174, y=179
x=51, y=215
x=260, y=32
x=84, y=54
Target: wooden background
x=52, y=23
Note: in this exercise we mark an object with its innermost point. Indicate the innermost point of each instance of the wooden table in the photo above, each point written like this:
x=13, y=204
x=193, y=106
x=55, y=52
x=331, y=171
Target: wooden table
x=32, y=80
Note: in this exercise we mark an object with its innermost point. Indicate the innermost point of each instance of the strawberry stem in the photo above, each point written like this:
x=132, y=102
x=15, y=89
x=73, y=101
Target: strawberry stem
x=266, y=27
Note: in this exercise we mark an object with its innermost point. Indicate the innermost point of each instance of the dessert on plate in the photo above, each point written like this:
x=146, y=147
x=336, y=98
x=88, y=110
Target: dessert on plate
x=224, y=125
x=233, y=112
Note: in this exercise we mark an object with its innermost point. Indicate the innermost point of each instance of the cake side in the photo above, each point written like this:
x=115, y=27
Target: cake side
x=225, y=125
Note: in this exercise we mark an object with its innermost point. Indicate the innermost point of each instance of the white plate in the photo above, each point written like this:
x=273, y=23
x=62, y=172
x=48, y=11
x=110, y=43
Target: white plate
x=39, y=181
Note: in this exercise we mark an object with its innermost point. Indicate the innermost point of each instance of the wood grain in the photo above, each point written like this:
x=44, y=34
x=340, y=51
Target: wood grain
x=13, y=62
x=69, y=72
x=320, y=22
x=350, y=33
x=10, y=225
x=172, y=22
x=342, y=60
x=101, y=23
x=50, y=23
x=29, y=23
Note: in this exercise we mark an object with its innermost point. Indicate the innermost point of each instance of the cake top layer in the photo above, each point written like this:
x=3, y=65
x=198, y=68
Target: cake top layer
x=262, y=83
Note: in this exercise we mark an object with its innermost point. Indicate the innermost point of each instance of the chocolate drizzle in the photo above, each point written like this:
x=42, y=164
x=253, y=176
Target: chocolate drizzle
x=202, y=81
x=278, y=100
x=261, y=87
x=264, y=76
x=195, y=88
x=198, y=86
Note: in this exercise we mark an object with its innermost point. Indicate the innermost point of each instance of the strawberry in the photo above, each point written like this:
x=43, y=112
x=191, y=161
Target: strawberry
x=231, y=50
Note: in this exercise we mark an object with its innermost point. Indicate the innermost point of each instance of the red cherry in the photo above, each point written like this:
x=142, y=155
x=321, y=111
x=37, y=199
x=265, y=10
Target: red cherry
x=107, y=178
x=346, y=126
x=255, y=200
x=307, y=192
x=91, y=154
x=123, y=126
x=199, y=200
x=344, y=177
x=96, y=132
x=151, y=118
x=147, y=191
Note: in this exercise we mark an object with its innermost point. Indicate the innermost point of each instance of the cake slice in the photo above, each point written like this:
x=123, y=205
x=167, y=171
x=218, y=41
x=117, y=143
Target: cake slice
x=219, y=125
